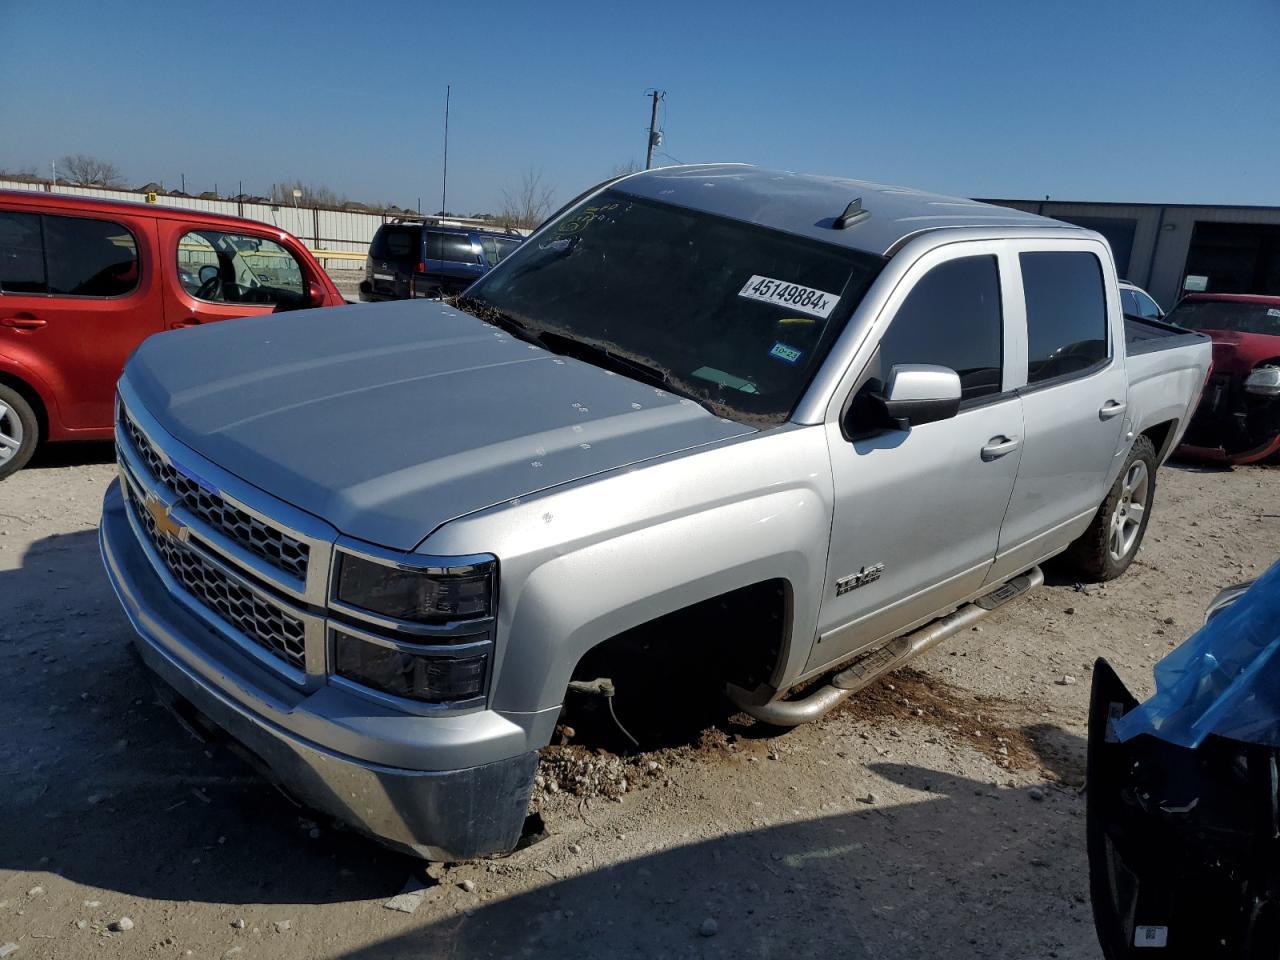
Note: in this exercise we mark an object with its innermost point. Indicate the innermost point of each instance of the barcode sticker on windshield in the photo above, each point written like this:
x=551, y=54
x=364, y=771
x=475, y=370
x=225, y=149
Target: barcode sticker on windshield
x=1157, y=937
x=804, y=299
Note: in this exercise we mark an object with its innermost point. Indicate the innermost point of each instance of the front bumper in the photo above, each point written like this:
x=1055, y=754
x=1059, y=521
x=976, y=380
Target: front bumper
x=426, y=809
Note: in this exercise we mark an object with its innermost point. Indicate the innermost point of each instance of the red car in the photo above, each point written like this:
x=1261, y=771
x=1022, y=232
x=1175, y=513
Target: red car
x=84, y=281
x=1238, y=420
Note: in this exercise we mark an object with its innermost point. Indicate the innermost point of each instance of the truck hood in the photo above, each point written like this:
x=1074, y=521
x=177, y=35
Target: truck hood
x=1238, y=353
x=389, y=420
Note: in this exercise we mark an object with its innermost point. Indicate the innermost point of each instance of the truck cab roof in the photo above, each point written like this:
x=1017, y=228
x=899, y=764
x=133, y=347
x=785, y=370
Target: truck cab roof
x=810, y=205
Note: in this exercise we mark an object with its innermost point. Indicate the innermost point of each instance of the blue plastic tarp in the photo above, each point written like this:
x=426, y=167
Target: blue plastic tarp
x=1224, y=680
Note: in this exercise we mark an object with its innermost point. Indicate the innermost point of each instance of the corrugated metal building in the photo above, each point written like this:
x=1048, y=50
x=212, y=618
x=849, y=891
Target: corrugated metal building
x=1172, y=248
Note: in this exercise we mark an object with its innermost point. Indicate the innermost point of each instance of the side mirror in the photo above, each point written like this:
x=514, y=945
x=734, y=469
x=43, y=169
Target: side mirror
x=919, y=393
x=315, y=294
x=208, y=273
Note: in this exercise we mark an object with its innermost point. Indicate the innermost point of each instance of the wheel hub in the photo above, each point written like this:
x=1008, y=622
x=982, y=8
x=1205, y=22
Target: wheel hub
x=1131, y=506
x=10, y=433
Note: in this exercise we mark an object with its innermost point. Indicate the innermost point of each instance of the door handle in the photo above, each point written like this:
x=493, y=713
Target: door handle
x=1111, y=409
x=192, y=321
x=997, y=447
x=23, y=321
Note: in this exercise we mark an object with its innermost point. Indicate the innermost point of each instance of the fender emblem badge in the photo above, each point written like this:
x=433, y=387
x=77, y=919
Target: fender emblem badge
x=860, y=579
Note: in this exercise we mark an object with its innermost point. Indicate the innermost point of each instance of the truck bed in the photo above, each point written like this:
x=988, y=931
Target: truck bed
x=1148, y=336
x=1167, y=367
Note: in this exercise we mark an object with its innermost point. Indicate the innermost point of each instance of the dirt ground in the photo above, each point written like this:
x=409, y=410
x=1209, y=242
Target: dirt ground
x=939, y=813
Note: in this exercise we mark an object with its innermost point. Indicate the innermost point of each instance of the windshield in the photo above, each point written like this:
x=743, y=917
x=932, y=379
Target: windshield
x=732, y=315
x=1227, y=315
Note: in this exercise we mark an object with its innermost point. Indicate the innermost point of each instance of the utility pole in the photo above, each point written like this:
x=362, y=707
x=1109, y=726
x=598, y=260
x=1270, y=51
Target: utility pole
x=655, y=137
x=444, y=186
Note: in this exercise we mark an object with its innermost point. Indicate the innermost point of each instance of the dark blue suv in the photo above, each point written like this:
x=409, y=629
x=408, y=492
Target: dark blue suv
x=414, y=259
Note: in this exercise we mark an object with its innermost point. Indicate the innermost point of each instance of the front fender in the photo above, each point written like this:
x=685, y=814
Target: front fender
x=585, y=562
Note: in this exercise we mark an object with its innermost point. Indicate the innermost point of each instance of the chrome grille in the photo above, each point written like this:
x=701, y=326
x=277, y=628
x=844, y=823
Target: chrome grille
x=262, y=622
x=274, y=546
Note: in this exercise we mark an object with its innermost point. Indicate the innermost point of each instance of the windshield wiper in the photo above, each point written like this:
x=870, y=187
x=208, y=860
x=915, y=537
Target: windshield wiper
x=582, y=350
x=562, y=344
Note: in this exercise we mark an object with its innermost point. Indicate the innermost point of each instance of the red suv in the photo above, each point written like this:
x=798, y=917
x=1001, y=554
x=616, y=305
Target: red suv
x=84, y=281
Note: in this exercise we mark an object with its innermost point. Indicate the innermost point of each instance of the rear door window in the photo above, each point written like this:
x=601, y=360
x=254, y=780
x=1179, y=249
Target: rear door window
x=89, y=258
x=952, y=318
x=457, y=248
x=1066, y=313
x=21, y=253
x=497, y=248
x=399, y=244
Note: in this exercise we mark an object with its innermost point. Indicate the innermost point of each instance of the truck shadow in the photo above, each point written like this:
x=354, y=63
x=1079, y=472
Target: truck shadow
x=964, y=869
x=106, y=790
x=73, y=454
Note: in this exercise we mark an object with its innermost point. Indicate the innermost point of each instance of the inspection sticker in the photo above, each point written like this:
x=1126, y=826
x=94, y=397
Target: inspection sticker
x=805, y=299
x=1273, y=312
x=1157, y=937
x=784, y=352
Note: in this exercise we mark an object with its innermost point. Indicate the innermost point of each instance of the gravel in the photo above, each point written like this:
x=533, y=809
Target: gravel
x=951, y=858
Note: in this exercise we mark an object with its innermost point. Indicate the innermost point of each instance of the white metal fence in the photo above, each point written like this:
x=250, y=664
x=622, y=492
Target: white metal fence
x=341, y=231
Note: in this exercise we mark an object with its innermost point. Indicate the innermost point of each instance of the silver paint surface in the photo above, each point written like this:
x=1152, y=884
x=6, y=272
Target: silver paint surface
x=388, y=420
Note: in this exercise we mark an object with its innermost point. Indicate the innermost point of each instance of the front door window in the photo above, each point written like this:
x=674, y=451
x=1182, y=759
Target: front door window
x=219, y=267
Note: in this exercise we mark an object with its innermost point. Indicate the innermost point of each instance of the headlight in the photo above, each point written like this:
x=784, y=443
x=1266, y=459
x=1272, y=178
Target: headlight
x=397, y=670
x=1264, y=382
x=429, y=595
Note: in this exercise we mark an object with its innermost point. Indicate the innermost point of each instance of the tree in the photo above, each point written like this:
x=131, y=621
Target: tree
x=622, y=169
x=24, y=175
x=527, y=203
x=83, y=171
x=312, y=195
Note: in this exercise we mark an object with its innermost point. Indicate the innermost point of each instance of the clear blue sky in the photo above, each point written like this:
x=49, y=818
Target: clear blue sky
x=1160, y=100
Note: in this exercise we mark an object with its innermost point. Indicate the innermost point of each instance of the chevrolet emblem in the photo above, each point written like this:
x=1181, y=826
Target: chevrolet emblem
x=163, y=519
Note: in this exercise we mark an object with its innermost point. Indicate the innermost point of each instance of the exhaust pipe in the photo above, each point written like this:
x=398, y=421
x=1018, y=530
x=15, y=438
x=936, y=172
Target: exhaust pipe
x=870, y=666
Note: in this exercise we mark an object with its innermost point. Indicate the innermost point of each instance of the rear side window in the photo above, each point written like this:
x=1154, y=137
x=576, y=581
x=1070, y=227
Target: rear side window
x=21, y=254
x=1147, y=308
x=89, y=258
x=397, y=243
x=952, y=318
x=66, y=256
x=1066, y=313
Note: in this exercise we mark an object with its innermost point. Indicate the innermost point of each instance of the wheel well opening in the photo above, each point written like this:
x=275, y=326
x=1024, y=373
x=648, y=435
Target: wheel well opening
x=1159, y=435
x=25, y=390
x=670, y=672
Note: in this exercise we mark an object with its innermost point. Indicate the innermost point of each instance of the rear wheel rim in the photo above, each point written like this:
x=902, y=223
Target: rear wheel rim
x=1129, y=512
x=10, y=433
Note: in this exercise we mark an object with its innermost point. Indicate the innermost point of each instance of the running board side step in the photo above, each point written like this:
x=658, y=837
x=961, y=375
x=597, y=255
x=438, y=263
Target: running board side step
x=876, y=663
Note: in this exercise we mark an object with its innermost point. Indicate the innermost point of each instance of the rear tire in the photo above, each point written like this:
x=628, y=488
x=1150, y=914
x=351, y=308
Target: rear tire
x=19, y=431
x=1108, y=546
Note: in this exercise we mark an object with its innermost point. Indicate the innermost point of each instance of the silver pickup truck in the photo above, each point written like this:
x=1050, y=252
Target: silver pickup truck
x=782, y=427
